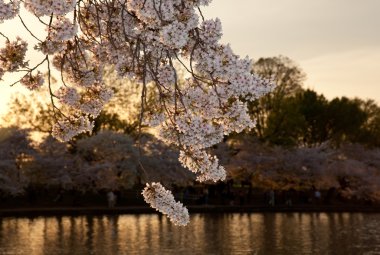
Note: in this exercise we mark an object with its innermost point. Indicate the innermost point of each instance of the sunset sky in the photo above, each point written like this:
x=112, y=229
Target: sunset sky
x=336, y=42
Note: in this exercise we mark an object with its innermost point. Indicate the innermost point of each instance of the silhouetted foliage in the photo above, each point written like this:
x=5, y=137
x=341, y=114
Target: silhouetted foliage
x=345, y=120
x=16, y=154
x=293, y=116
x=286, y=124
x=288, y=78
x=313, y=108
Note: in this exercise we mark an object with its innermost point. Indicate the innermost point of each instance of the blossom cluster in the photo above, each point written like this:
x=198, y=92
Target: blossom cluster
x=12, y=56
x=163, y=201
x=68, y=96
x=67, y=128
x=62, y=29
x=93, y=100
x=33, y=82
x=9, y=10
x=205, y=166
x=43, y=7
x=86, y=103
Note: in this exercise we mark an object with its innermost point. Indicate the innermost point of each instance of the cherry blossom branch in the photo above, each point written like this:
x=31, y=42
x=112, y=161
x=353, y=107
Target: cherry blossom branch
x=143, y=40
x=29, y=70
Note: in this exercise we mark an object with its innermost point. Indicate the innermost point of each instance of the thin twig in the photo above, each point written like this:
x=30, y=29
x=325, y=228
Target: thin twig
x=30, y=32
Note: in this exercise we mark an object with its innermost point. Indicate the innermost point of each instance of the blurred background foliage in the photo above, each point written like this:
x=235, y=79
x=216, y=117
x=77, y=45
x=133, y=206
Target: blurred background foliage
x=301, y=139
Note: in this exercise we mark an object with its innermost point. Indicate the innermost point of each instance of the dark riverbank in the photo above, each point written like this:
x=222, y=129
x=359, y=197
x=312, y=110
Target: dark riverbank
x=62, y=211
x=221, y=198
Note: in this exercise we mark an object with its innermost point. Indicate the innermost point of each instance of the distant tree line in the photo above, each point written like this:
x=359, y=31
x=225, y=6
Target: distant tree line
x=110, y=157
x=293, y=116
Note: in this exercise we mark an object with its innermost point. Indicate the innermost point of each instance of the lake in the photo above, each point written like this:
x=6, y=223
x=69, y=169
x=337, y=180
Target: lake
x=253, y=233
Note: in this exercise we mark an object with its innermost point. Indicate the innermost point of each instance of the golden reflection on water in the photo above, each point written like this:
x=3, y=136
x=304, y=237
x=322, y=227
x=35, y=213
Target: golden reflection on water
x=269, y=233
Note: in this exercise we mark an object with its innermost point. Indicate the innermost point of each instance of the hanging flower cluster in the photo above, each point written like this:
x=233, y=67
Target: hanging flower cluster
x=146, y=41
x=163, y=201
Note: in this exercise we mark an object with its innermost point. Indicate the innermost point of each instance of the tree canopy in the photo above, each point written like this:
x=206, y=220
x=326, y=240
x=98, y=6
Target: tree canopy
x=143, y=40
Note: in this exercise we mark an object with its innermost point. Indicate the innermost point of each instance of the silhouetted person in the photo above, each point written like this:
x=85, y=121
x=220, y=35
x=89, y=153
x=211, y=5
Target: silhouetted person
x=111, y=198
x=271, y=198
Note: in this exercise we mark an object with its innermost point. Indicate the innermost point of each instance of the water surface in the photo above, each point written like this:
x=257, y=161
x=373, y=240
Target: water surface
x=255, y=233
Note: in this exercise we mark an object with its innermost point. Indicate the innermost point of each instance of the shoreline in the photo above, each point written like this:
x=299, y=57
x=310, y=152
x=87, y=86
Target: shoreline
x=78, y=211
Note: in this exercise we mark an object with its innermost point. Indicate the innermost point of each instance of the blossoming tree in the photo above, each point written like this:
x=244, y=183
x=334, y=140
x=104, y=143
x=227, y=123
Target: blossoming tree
x=146, y=41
